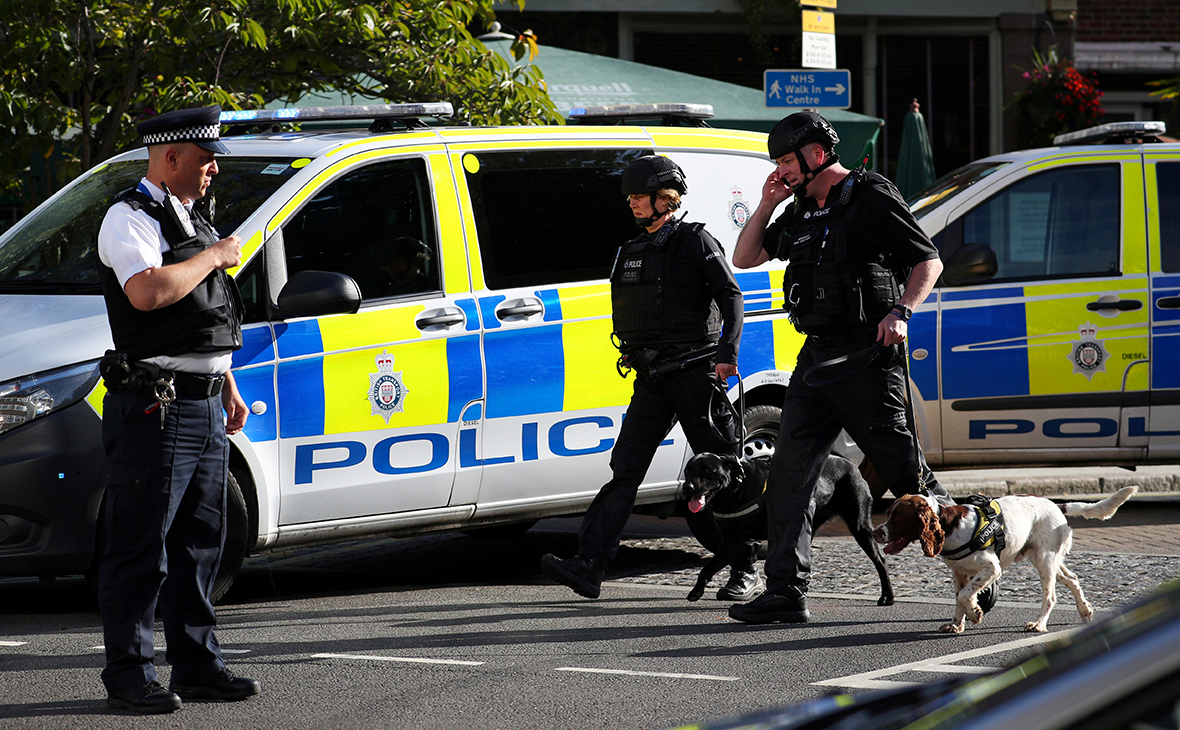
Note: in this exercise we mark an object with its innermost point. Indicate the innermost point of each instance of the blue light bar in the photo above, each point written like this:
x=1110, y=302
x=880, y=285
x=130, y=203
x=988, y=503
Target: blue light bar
x=1126, y=130
x=338, y=113
x=624, y=111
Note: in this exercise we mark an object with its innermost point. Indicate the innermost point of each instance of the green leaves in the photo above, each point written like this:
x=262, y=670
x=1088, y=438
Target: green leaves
x=78, y=77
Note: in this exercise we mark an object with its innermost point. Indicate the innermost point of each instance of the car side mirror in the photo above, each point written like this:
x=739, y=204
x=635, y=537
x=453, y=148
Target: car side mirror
x=972, y=263
x=314, y=293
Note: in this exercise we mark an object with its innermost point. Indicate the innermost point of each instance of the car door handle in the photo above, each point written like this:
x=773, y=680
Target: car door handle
x=439, y=318
x=520, y=308
x=1123, y=305
x=1168, y=302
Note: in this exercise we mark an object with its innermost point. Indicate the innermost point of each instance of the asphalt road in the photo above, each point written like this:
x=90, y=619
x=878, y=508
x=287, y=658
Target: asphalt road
x=451, y=631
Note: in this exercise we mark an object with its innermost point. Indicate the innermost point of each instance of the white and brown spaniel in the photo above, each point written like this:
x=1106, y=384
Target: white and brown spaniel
x=1035, y=528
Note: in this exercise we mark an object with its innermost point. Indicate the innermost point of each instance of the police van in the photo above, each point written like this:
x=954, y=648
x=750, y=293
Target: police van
x=1054, y=334
x=427, y=334
x=427, y=330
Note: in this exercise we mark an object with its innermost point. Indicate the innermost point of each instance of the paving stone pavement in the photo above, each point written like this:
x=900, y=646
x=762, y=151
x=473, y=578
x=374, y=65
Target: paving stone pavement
x=1116, y=560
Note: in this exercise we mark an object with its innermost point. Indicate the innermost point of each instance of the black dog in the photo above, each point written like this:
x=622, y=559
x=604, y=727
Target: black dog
x=735, y=488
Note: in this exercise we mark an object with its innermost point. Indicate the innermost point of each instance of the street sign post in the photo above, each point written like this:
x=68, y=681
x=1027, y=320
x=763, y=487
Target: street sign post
x=808, y=88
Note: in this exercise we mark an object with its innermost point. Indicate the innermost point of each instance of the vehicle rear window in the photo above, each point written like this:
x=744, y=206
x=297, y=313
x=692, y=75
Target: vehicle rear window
x=549, y=216
x=53, y=248
x=1167, y=177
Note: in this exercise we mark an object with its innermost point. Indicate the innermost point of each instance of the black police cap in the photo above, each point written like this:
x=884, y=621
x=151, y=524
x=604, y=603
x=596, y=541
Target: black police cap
x=796, y=130
x=200, y=126
x=651, y=173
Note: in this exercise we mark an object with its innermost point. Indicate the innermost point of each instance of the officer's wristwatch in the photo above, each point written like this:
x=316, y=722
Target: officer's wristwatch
x=903, y=312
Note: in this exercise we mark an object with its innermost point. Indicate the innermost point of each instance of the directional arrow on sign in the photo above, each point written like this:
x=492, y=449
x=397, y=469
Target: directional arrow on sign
x=807, y=88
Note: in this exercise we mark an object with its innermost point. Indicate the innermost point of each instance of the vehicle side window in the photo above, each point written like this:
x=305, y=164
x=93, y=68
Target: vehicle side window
x=1058, y=223
x=549, y=216
x=1167, y=177
x=375, y=224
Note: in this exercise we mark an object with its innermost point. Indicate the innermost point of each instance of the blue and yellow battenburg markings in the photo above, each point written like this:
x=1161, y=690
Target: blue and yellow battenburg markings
x=566, y=364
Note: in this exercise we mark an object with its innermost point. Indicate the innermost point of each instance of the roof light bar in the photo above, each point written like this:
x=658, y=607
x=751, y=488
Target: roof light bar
x=338, y=113
x=669, y=113
x=1113, y=133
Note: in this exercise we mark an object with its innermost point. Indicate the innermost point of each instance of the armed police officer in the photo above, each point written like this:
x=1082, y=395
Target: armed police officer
x=678, y=321
x=175, y=317
x=850, y=242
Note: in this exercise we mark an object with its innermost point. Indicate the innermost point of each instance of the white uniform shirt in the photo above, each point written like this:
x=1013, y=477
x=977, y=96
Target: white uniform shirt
x=130, y=241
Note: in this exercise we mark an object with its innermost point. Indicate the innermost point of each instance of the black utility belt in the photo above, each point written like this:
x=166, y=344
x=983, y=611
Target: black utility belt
x=144, y=378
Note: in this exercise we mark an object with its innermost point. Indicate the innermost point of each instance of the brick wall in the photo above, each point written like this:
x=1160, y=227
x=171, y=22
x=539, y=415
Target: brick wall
x=1128, y=21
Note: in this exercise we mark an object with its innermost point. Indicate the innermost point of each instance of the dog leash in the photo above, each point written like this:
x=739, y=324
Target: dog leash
x=910, y=421
x=871, y=351
x=719, y=388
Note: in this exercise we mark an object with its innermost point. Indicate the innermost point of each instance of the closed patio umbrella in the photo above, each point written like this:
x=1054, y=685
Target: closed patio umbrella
x=915, y=163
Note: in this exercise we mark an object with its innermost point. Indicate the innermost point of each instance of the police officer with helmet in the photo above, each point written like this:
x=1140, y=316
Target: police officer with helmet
x=677, y=322
x=850, y=243
x=175, y=317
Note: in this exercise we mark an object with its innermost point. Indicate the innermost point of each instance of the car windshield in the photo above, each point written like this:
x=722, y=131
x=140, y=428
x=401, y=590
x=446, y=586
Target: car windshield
x=52, y=249
x=950, y=185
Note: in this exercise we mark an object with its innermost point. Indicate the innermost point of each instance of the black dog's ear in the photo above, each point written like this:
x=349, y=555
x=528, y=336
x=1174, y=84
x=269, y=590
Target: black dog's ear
x=733, y=463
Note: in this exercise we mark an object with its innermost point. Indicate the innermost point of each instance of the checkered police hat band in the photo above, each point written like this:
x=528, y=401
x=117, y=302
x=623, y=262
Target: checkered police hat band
x=202, y=133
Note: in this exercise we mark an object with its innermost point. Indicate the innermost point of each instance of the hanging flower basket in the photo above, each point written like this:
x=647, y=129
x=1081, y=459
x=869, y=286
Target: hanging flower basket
x=1058, y=99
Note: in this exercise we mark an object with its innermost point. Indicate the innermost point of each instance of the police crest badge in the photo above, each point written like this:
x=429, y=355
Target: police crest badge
x=1089, y=354
x=739, y=211
x=387, y=392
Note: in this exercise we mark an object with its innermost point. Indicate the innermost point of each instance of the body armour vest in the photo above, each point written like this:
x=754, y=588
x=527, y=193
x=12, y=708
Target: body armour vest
x=650, y=309
x=827, y=290
x=208, y=319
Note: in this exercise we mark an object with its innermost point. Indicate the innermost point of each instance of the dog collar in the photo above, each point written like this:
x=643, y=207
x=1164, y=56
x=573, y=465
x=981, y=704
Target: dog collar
x=748, y=509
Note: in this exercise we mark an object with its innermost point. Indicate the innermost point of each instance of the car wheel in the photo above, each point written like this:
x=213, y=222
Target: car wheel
x=762, y=423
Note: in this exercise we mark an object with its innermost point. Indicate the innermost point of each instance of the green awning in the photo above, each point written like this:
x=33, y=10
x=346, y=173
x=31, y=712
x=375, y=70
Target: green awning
x=584, y=79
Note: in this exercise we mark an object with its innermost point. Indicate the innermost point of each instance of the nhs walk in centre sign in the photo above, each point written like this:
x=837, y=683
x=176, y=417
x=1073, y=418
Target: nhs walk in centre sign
x=808, y=88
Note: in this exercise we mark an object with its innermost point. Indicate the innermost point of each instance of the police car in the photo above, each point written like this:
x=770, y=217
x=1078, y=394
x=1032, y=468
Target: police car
x=1054, y=333
x=427, y=328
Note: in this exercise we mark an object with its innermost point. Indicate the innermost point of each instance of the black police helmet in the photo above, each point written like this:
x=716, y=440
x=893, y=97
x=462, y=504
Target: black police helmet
x=797, y=130
x=651, y=173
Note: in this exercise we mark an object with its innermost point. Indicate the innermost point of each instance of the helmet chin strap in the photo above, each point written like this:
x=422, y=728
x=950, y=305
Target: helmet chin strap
x=647, y=222
x=809, y=174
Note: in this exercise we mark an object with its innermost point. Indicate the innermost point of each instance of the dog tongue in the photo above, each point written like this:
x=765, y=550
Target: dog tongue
x=696, y=504
x=896, y=546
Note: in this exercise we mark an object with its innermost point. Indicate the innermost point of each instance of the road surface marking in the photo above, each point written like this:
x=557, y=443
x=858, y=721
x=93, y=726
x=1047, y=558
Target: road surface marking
x=415, y=660
x=870, y=680
x=647, y=674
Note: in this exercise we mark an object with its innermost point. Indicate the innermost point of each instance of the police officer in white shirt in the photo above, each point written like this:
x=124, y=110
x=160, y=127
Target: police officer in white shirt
x=175, y=318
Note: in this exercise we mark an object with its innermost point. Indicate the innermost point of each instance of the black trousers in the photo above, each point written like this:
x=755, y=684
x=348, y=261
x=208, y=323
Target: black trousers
x=656, y=404
x=866, y=400
x=165, y=529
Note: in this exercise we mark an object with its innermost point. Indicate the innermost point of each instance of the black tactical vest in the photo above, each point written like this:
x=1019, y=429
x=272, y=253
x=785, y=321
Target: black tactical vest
x=827, y=292
x=208, y=319
x=650, y=309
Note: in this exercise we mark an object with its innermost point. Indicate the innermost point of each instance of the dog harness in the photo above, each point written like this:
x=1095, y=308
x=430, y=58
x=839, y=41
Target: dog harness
x=748, y=509
x=989, y=531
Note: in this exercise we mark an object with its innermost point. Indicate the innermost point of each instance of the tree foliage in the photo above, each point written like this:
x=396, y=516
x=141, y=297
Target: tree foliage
x=78, y=75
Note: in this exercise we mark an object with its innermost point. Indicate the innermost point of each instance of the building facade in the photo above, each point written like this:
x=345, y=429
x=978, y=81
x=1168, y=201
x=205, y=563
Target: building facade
x=961, y=61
